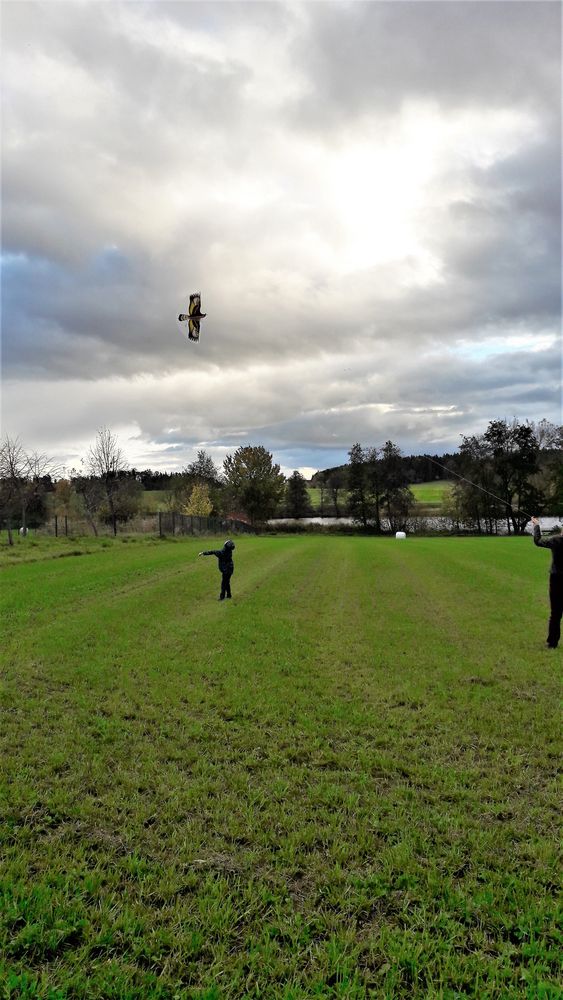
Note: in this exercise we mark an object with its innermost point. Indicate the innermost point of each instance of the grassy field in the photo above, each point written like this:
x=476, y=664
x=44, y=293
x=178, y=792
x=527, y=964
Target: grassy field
x=426, y=494
x=340, y=784
x=431, y=493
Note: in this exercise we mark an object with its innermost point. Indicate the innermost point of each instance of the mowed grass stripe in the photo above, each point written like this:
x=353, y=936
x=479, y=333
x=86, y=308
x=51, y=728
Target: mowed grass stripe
x=111, y=570
x=477, y=590
x=105, y=588
x=307, y=791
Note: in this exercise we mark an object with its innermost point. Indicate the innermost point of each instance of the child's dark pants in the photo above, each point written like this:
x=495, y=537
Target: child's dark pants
x=226, y=583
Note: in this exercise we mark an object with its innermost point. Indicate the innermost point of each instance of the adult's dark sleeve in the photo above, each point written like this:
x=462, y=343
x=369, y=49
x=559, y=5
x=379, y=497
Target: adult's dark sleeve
x=544, y=543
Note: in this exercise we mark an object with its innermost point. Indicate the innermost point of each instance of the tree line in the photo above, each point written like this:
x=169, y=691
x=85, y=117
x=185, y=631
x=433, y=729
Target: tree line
x=106, y=490
x=500, y=477
x=509, y=471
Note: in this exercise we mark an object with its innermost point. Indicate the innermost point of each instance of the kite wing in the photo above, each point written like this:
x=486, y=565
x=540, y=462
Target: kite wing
x=195, y=304
x=193, y=316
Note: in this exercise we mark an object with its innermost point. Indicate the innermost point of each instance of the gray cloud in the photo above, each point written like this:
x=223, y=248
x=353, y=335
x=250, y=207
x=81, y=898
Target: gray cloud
x=371, y=57
x=154, y=149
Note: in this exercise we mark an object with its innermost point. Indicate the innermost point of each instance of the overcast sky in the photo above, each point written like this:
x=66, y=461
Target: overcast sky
x=367, y=195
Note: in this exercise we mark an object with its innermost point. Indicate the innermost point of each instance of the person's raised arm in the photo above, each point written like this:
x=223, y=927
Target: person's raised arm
x=544, y=543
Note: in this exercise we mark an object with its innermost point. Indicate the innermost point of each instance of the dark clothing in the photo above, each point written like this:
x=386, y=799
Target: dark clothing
x=555, y=583
x=225, y=585
x=225, y=557
x=556, y=604
x=555, y=544
x=226, y=568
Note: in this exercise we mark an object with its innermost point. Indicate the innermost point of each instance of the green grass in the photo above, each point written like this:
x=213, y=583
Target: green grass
x=315, y=498
x=431, y=494
x=426, y=494
x=340, y=784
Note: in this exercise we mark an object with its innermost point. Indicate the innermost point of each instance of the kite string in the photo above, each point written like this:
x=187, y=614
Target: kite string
x=477, y=487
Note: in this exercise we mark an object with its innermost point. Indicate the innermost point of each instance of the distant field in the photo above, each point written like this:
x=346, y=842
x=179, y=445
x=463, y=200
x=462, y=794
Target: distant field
x=427, y=494
x=431, y=493
x=340, y=784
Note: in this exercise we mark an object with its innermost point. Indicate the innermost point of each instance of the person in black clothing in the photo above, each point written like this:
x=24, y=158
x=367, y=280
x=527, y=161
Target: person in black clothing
x=226, y=566
x=555, y=543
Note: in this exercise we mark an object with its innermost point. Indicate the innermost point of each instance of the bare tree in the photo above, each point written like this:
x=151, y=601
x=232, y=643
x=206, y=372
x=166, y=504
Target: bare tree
x=90, y=494
x=22, y=480
x=105, y=461
x=12, y=472
x=548, y=435
x=549, y=478
x=105, y=457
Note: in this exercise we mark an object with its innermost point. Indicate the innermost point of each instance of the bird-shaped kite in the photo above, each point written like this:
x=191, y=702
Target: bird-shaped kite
x=193, y=316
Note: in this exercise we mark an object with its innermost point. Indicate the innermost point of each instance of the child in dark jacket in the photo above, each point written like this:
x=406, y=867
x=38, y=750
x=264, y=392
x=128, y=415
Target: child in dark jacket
x=226, y=566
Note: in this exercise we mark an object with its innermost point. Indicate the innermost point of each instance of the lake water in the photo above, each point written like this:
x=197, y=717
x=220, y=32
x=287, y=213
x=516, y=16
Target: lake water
x=434, y=523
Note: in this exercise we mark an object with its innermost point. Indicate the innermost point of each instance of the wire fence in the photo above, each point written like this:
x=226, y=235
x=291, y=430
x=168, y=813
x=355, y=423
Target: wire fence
x=161, y=523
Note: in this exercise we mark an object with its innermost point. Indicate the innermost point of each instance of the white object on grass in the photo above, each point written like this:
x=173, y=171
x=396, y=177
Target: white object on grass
x=400, y=534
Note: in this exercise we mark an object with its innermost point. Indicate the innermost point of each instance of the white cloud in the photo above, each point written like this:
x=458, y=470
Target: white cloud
x=371, y=209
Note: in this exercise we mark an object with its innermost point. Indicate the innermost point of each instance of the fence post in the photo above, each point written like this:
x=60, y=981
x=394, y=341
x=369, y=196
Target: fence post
x=160, y=523
x=56, y=526
x=66, y=524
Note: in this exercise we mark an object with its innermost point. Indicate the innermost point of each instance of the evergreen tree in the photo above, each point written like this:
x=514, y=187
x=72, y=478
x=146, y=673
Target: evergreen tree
x=297, y=499
x=204, y=468
x=358, y=492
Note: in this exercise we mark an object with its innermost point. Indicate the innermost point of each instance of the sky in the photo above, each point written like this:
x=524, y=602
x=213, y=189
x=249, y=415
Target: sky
x=366, y=194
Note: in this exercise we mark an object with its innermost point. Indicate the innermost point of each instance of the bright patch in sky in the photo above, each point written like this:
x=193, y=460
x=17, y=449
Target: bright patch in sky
x=495, y=345
x=367, y=195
